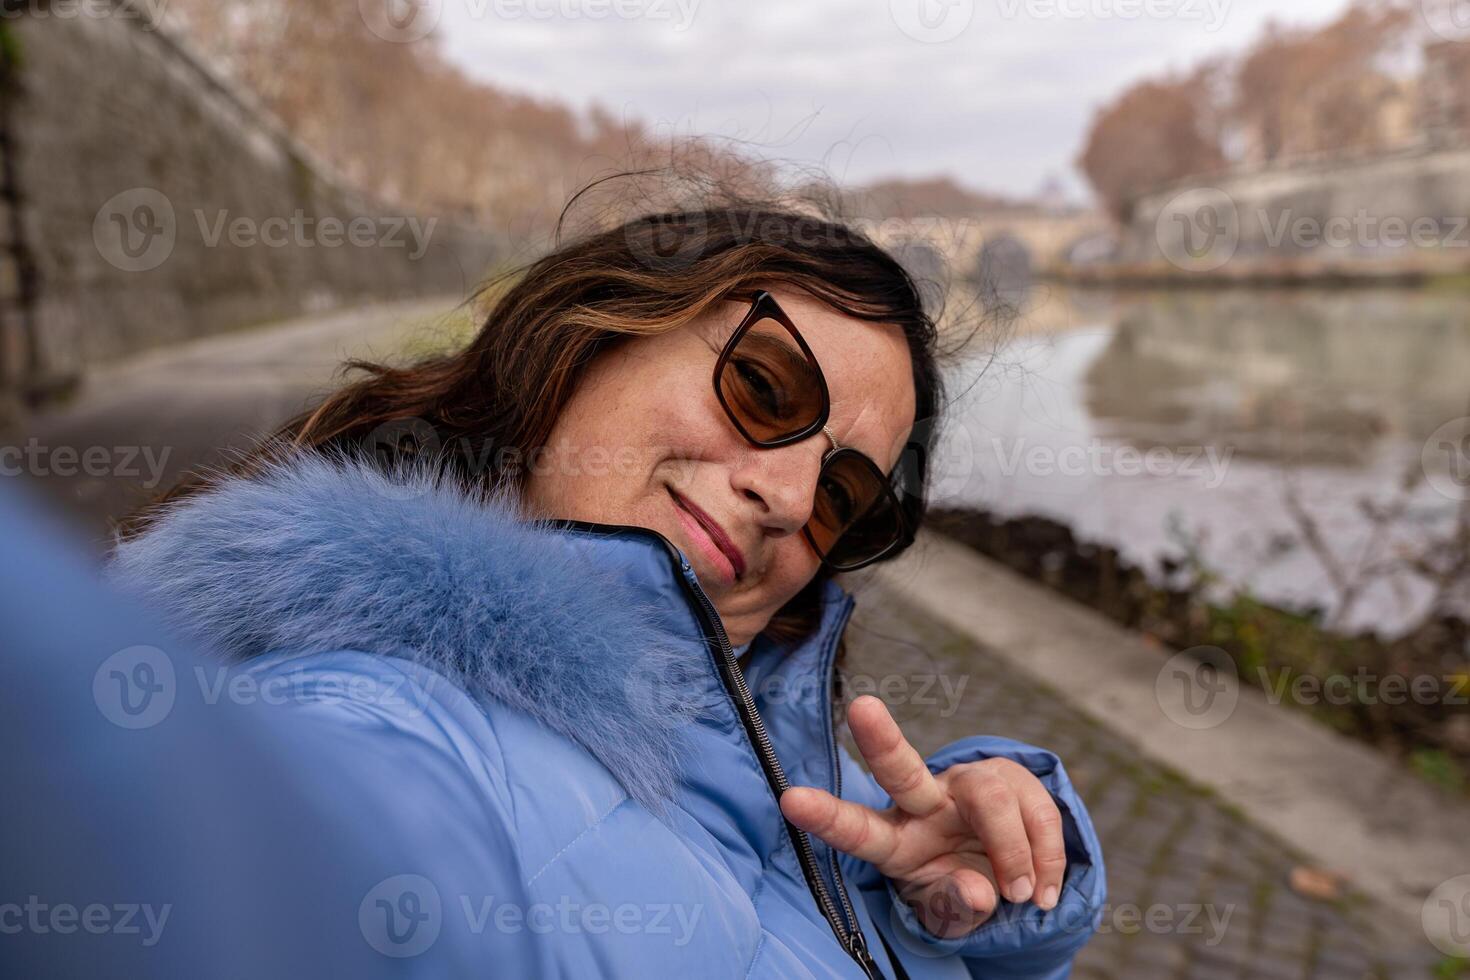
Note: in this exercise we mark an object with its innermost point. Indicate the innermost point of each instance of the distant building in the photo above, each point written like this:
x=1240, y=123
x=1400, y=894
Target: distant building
x=1373, y=112
x=1444, y=93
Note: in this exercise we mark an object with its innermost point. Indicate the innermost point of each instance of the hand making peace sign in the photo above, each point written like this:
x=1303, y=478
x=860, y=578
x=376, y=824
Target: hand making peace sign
x=948, y=839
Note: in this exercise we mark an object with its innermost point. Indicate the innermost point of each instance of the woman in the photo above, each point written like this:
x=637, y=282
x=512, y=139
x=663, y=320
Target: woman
x=564, y=582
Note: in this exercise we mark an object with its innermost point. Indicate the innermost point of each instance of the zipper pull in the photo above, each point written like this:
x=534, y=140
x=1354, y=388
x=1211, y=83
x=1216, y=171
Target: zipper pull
x=857, y=947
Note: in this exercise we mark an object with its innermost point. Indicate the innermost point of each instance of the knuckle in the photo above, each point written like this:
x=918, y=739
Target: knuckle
x=910, y=780
x=890, y=741
x=1045, y=817
x=854, y=829
x=831, y=817
x=1011, y=856
x=1050, y=861
x=991, y=794
x=1003, y=766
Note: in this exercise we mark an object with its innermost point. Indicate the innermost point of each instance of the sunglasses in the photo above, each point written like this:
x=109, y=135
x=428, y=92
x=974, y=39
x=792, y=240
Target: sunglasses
x=770, y=385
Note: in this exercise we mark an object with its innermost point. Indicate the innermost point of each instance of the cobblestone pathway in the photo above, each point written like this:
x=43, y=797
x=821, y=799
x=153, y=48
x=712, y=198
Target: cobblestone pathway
x=1215, y=885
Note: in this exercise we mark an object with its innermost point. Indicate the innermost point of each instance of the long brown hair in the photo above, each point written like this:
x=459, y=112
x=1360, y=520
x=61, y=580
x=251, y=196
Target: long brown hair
x=483, y=409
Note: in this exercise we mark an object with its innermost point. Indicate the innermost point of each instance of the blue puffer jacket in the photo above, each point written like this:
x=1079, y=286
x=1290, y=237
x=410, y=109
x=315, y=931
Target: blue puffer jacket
x=570, y=684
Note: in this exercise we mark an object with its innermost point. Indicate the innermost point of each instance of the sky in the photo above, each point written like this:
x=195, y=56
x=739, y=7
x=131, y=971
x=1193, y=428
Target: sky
x=996, y=93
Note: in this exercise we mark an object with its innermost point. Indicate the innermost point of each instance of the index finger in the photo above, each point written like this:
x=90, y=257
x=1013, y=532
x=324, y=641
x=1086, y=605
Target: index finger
x=850, y=827
x=896, y=765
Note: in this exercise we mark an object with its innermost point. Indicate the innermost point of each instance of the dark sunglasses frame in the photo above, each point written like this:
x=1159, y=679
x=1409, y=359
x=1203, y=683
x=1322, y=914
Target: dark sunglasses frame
x=763, y=306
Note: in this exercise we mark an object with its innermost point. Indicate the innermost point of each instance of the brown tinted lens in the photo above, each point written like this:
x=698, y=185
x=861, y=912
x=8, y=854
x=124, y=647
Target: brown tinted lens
x=769, y=384
x=855, y=516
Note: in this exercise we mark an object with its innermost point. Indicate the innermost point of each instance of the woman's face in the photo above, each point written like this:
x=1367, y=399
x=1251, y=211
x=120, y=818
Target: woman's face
x=644, y=440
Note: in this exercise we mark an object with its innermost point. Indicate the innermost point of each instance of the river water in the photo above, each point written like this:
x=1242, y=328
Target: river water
x=1149, y=420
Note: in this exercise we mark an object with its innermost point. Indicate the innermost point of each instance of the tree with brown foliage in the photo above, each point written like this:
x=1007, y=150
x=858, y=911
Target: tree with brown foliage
x=401, y=121
x=1312, y=91
x=1155, y=132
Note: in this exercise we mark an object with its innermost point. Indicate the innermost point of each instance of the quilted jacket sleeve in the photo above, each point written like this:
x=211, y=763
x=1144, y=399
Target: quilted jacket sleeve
x=1020, y=940
x=400, y=751
x=315, y=821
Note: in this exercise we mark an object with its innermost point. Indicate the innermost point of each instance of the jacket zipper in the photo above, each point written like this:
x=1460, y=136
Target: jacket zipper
x=860, y=953
x=844, y=923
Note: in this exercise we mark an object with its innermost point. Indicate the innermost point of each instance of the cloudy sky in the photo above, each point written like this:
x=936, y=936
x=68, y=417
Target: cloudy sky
x=997, y=93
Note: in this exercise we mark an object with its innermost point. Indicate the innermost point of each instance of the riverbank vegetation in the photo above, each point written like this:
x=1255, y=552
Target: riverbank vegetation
x=1408, y=694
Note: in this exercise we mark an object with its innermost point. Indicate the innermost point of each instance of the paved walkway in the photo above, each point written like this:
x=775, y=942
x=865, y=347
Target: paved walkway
x=156, y=415
x=1214, y=885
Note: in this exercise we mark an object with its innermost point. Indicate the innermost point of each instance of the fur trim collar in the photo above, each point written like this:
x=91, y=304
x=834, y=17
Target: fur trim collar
x=320, y=554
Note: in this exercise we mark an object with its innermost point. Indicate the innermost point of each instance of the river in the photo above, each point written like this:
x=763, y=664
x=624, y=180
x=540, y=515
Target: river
x=1150, y=419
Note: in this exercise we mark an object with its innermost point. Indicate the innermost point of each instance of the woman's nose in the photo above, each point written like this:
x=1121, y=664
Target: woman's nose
x=782, y=482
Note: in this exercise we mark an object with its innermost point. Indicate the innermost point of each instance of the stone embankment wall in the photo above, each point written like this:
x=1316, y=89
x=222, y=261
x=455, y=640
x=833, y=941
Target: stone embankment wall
x=144, y=201
x=1402, y=216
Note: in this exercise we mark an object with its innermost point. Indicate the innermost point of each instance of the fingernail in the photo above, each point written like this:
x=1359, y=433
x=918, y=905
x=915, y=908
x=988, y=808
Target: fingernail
x=1049, y=897
x=1020, y=889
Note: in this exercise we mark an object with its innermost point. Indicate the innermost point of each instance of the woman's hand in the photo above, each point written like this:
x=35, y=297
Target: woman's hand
x=948, y=839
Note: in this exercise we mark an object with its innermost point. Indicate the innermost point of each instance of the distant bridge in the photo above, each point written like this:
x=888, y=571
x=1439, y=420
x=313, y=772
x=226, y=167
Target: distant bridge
x=1039, y=239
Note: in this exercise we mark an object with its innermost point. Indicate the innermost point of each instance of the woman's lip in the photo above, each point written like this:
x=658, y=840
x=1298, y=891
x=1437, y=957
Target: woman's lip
x=716, y=534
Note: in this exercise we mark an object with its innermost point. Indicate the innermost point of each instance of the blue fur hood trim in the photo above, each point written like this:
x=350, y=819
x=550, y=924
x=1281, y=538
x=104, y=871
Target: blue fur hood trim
x=320, y=554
